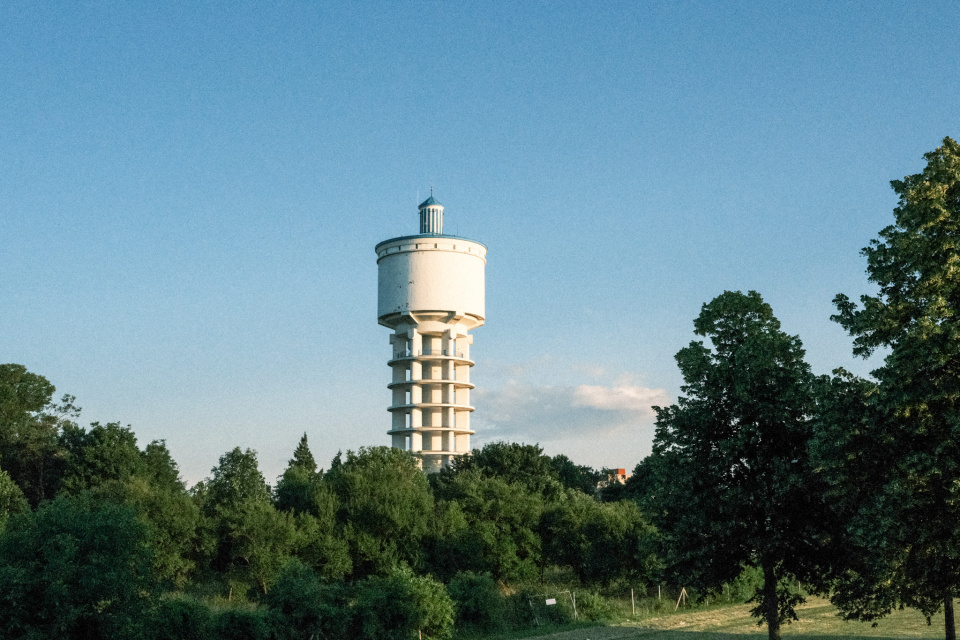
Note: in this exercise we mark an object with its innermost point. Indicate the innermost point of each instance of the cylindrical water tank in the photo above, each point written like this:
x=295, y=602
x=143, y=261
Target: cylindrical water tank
x=430, y=273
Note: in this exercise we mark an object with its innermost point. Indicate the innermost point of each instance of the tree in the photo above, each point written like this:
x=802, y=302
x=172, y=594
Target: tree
x=479, y=603
x=171, y=518
x=512, y=462
x=253, y=539
x=401, y=606
x=298, y=484
x=916, y=265
x=384, y=506
x=302, y=457
x=107, y=462
x=29, y=428
x=75, y=569
x=11, y=498
x=733, y=485
x=575, y=476
x=490, y=526
x=309, y=607
x=103, y=454
x=236, y=478
x=600, y=541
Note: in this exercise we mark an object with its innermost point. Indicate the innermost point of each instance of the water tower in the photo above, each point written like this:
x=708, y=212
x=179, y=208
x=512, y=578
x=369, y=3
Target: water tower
x=431, y=294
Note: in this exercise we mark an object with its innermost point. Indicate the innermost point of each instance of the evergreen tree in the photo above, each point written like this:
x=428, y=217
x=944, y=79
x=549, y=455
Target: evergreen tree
x=302, y=458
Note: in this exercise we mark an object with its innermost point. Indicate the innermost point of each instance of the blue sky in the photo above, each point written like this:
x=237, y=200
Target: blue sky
x=190, y=194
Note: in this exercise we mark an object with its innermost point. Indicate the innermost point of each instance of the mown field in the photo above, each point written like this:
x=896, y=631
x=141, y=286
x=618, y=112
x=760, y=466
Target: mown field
x=818, y=621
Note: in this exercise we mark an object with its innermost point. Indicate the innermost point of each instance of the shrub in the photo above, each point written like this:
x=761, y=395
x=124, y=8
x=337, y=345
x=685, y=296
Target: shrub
x=402, y=606
x=307, y=607
x=180, y=619
x=530, y=608
x=592, y=606
x=746, y=585
x=478, y=602
x=242, y=624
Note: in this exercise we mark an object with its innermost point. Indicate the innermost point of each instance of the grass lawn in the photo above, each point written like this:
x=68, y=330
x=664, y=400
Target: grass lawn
x=818, y=621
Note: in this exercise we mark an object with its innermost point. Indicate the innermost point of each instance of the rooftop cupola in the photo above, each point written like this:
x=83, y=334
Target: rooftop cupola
x=431, y=216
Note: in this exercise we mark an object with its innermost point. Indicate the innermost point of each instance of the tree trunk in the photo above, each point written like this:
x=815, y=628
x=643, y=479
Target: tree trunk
x=949, y=627
x=770, y=600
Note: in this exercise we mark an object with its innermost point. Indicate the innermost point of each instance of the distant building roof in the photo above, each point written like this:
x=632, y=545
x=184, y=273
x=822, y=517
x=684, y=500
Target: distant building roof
x=429, y=201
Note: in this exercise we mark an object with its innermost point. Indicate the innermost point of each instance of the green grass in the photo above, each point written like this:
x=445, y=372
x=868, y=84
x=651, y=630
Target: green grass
x=818, y=621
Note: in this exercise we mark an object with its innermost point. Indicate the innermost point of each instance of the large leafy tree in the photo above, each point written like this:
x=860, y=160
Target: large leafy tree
x=384, y=506
x=575, y=476
x=77, y=568
x=915, y=316
x=730, y=457
x=512, y=462
x=486, y=524
x=600, y=541
x=106, y=461
x=100, y=455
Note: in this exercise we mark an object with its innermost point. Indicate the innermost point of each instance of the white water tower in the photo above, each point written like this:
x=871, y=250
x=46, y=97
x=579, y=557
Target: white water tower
x=431, y=293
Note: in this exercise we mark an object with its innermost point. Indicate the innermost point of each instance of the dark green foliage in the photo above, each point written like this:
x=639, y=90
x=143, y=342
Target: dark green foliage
x=733, y=484
x=236, y=479
x=303, y=491
x=103, y=454
x=593, y=606
x=11, y=498
x=384, y=507
x=575, y=476
x=29, y=427
x=180, y=619
x=295, y=488
x=243, y=624
x=496, y=532
x=513, y=463
x=601, y=542
x=160, y=467
x=479, y=602
x=171, y=518
x=107, y=463
x=447, y=546
x=21, y=393
x=302, y=458
x=75, y=569
x=402, y=606
x=252, y=539
x=307, y=606
x=914, y=466
x=322, y=547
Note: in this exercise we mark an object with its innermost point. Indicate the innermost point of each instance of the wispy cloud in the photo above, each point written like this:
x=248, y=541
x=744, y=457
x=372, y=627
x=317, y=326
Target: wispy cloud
x=523, y=408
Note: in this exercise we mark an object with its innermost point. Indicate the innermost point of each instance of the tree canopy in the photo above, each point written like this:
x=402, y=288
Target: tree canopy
x=77, y=568
x=914, y=461
x=730, y=456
